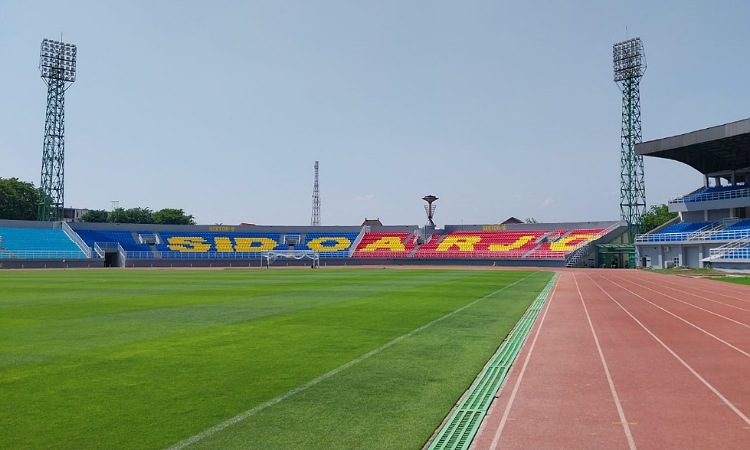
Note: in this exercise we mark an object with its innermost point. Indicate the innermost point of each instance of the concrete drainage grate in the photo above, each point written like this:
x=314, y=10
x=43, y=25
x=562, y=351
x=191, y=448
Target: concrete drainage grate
x=459, y=430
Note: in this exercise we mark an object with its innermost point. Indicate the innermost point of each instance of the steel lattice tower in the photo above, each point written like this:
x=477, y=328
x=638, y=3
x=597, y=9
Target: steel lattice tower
x=629, y=67
x=57, y=64
x=315, y=220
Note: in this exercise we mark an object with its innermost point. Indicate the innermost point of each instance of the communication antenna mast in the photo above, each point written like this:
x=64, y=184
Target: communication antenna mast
x=315, y=221
x=57, y=64
x=629, y=67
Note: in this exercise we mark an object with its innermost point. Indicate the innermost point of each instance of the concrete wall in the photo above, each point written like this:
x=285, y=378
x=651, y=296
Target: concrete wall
x=676, y=253
x=51, y=263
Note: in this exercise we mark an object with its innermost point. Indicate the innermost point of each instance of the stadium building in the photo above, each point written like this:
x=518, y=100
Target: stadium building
x=80, y=244
x=712, y=228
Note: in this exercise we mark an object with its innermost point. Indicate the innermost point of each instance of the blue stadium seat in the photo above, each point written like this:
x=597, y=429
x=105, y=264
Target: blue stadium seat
x=45, y=243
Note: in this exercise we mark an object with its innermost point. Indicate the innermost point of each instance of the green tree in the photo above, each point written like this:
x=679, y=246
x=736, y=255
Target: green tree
x=657, y=215
x=95, y=215
x=19, y=200
x=132, y=215
x=171, y=216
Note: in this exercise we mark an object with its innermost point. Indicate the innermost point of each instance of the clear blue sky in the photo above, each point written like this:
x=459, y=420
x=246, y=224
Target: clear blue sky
x=499, y=108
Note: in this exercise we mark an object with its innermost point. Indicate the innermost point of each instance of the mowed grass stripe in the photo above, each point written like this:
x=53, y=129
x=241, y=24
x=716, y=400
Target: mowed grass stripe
x=219, y=357
x=95, y=309
x=240, y=417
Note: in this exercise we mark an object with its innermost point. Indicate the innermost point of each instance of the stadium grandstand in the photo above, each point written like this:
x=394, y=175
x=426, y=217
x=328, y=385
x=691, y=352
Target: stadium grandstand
x=81, y=244
x=712, y=228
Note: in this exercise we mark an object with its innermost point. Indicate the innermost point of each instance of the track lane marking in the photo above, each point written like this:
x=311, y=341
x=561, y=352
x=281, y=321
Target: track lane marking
x=678, y=358
x=684, y=320
x=250, y=412
x=625, y=280
x=504, y=419
x=618, y=404
x=728, y=293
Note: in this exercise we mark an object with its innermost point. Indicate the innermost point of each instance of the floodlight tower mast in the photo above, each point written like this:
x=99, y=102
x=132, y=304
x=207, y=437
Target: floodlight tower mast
x=315, y=220
x=629, y=66
x=57, y=64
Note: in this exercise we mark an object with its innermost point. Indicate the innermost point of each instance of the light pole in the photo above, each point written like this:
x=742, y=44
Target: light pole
x=57, y=64
x=629, y=62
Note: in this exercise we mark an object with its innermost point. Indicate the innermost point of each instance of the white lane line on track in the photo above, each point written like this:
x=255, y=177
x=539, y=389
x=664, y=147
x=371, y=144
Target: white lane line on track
x=682, y=291
x=728, y=293
x=250, y=412
x=618, y=404
x=499, y=431
x=687, y=321
x=682, y=361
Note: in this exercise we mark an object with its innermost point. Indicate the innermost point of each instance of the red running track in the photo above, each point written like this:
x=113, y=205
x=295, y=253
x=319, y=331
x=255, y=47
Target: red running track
x=625, y=359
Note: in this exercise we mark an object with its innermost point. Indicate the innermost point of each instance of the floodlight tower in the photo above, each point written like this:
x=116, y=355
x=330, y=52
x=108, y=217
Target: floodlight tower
x=57, y=64
x=315, y=220
x=429, y=208
x=629, y=67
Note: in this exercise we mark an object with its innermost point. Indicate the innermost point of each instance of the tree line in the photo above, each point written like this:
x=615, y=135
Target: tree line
x=19, y=200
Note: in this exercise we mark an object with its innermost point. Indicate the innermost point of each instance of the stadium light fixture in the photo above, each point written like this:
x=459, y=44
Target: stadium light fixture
x=629, y=59
x=57, y=60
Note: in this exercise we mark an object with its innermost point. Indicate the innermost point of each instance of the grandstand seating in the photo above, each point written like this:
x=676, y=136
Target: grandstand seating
x=545, y=249
x=124, y=238
x=738, y=230
x=228, y=244
x=716, y=193
x=675, y=232
x=330, y=244
x=217, y=244
x=384, y=245
x=40, y=243
x=481, y=244
x=741, y=253
x=685, y=227
x=566, y=242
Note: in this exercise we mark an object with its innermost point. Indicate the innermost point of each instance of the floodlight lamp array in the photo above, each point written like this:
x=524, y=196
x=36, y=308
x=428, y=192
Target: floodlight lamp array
x=57, y=60
x=629, y=59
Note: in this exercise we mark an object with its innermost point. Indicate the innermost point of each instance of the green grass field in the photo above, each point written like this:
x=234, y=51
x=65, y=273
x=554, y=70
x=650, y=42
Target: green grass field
x=330, y=358
x=707, y=273
x=737, y=280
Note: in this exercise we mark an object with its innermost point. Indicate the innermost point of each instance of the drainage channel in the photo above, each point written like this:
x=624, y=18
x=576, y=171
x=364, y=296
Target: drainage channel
x=459, y=430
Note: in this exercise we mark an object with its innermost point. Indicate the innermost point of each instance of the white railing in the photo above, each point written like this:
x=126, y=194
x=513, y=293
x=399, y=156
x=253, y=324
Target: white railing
x=42, y=254
x=577, y=255
x=735, y=248
x=662, y=237
x=75, y=238
x=716, y=235
x=362, y=232
x=123, y=260
x=705, y=232
x=98, y=250
x=742, y=254
x=730, y=234
x=708, y=196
